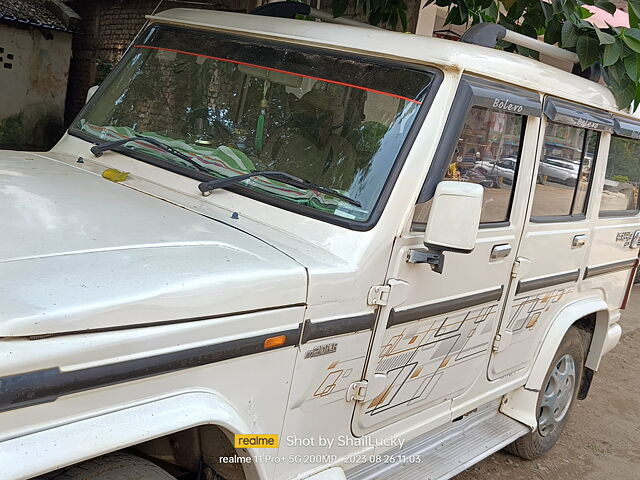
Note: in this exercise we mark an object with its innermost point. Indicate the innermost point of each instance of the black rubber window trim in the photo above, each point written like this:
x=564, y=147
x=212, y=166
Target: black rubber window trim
x=472, y=92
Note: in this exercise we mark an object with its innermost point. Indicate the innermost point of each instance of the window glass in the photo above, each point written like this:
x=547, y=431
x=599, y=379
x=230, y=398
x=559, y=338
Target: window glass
x=234, y=105
x=622, y=181
x=487, y=153
x=565, y=171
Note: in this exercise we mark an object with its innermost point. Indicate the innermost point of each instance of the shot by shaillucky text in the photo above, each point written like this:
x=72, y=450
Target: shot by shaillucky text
x=272, y=448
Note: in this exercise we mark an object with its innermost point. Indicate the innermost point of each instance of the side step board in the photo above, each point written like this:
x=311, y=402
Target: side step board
x=448, y=451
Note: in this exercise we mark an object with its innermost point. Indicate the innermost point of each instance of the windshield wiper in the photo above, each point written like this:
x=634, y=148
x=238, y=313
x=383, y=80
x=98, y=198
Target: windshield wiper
x=98, y=150
x=207, y=187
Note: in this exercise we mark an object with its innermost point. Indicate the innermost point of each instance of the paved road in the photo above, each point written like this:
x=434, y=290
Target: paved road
x=602, y=439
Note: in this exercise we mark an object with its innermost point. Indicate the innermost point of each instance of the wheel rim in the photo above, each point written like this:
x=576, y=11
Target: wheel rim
x=557, y=395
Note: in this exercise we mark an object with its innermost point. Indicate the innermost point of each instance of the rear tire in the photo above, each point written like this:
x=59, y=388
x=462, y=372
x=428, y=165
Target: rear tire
x=116, y=466
x=555, y=400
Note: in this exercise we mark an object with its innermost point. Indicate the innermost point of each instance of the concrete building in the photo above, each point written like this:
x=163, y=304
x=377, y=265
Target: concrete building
x=35, y=50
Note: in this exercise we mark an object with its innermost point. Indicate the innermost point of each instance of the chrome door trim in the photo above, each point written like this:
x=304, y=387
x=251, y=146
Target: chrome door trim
x=609, y=268
x=339, y=326
x=548, y=281
x=397, y=317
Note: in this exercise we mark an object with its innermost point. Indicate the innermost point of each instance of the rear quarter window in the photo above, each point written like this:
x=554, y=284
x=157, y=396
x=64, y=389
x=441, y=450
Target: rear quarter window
x=565, y=172
x=620, y=194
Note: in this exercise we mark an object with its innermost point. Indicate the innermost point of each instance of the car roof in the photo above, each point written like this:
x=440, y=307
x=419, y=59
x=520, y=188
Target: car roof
x=445, y=54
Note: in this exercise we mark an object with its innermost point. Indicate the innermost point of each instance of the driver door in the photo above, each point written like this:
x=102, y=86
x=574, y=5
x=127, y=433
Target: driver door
x=434, y=336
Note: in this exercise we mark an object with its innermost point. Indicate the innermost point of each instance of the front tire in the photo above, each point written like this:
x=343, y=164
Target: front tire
x=555, y=400
x=116, y=466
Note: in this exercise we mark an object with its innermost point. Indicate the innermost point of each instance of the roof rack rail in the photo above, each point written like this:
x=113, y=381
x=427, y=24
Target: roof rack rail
x=289, y=9
x=488, y=34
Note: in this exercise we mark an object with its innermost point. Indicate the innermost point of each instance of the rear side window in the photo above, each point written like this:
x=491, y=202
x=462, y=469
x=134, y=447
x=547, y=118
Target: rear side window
x=565, y=171
x=487, y=153
x=620, y=194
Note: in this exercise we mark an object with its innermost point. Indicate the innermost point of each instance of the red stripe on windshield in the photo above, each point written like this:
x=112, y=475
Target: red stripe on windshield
x=280, y=71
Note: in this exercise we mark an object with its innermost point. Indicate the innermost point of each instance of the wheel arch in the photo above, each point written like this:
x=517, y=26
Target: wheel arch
x=592, y=316
x=121, y=428
x=200, y=450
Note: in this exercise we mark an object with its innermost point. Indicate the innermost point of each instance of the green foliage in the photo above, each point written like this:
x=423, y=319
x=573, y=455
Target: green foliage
x=621, y=178
x=385, y=13
x=623, y=165
x=103, y=68
x=563, y=22
x=560, y=22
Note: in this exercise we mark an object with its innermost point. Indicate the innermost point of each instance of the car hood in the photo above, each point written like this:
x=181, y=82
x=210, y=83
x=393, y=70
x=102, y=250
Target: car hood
x=78, y=252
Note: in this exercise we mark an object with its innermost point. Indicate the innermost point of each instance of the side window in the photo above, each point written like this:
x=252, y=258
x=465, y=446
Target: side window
x=622, y=181
x=487, y=153
x=565, y=171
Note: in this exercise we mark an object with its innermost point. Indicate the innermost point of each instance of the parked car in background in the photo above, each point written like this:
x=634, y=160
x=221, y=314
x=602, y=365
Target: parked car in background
x=506, y=168
x=559, y=170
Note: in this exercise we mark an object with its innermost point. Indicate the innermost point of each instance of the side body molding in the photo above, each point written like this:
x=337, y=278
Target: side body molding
x=118, y=429
x=521, y=403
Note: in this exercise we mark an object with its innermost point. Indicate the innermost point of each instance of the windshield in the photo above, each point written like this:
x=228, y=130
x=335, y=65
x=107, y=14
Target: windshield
x=236, y=105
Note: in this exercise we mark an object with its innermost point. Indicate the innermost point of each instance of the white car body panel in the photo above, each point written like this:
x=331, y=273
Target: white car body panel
x=134, y=259
x=260, y=407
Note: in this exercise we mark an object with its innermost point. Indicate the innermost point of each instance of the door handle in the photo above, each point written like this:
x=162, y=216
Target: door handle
x=579, y=241
x=500, y=251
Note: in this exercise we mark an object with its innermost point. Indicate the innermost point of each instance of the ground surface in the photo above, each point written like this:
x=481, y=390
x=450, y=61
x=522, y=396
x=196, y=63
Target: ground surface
x=602, y=439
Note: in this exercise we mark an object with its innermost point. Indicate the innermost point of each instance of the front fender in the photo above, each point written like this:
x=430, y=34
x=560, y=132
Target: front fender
x=521, y=403
x=36, y=453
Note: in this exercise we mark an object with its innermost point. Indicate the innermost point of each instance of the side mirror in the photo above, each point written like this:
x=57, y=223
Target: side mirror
x=453, y=224
x=454, y=218
x=91, y=91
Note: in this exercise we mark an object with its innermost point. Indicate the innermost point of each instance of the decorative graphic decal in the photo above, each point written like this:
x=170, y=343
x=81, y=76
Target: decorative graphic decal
x=416, y=356
x=527, y=310
x=524, y=329
x=438, y=358
x=432, y=360
x=329, y=383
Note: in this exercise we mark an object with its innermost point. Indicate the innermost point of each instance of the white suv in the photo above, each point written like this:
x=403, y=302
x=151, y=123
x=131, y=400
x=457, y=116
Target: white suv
x=560, y=170
x=260, y=253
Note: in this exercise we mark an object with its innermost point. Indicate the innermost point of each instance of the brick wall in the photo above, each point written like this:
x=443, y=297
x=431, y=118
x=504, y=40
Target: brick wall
x=107, y=28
